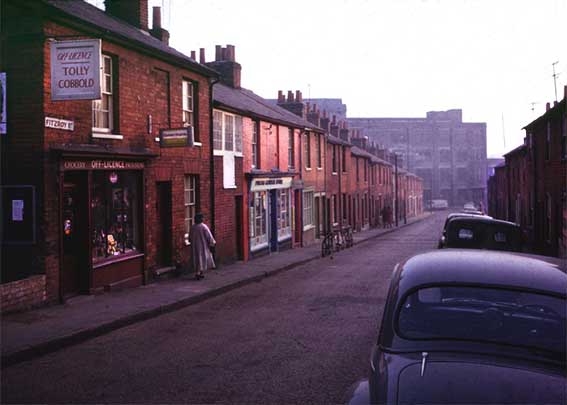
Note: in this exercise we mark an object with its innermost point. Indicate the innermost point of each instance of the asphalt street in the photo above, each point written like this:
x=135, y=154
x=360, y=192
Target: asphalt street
x=303, y=336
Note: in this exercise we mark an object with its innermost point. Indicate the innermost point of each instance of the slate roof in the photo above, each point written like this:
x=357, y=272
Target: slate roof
x=361, y=152
x=248, y=103
x=90, y=14
x=337, y=140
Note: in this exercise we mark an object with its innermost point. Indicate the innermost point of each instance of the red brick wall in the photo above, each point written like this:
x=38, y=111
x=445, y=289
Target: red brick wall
x=23, y=294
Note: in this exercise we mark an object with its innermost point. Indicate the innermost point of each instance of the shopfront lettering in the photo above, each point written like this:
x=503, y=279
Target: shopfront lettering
x=99, y=164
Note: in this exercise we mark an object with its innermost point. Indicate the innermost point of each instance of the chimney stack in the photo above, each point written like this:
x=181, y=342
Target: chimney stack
x=134, y=12
x=298, y=96
x=290, y=96
x=202, y=55
x=324, y=122
x=157, y=31
x=293, y=104
x=227, y=66
x=547, y=107
x=281, y=97
x=193, y=56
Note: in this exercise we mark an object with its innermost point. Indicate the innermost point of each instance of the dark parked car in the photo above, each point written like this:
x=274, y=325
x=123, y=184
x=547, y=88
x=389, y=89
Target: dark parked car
x=469, y=326
x=455, y=215
x=481, y=232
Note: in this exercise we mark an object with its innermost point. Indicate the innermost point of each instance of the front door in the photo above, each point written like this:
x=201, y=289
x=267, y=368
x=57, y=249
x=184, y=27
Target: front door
x=75, y=223
x=163, y=208
x=273, y=221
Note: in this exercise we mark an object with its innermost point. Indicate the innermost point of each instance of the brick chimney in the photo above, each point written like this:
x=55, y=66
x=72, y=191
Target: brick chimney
x=313, y=115
x=335, y=127
x=344, y=132
x=134, y=12
x=324, y=122
x=293, y=103
x=225, y=63
x=157, y=31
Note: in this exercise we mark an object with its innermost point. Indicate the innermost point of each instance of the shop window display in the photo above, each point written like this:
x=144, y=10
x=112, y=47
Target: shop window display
x=115, y=207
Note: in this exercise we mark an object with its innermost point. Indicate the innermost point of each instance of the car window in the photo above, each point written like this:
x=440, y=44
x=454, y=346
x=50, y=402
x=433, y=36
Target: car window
x=484, y=314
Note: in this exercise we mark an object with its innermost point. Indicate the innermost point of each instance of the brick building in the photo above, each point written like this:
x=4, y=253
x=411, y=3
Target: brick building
x=530, y=188
x=449, y=154
x=105, y=186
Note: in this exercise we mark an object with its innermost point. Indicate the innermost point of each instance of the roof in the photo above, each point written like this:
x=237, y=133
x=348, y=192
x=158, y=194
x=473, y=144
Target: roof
x=484, y=219
x=115, y=26
x=337, y=140
x=516, y=150
x=248, y=103
x=556, y=108
x=493, y=268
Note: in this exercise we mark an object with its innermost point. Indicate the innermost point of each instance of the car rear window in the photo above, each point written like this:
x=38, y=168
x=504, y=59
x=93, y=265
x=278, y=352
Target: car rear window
x=462, y=234
x=484, y=314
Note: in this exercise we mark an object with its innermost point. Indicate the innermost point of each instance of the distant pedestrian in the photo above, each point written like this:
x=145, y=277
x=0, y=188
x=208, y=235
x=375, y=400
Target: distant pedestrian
x=385, y=216
x=390, y=217
x=202, y=241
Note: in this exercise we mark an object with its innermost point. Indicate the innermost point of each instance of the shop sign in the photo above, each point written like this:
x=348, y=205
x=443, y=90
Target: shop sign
x=3, y=115
x=59, y=124
x=176, y=137
x=75, y=70
x=271, y=183
x=98, y=164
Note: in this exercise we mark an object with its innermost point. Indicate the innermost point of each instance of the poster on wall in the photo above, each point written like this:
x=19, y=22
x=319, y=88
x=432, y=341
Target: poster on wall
x=75, y=70
x=17, y=215
x=3, y=116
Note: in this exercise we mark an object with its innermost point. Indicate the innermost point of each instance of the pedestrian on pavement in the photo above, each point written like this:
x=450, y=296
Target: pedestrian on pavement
x=390, y=217
x=202, y=241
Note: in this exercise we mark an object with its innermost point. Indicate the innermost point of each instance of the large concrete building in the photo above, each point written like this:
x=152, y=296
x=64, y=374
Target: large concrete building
x=449, y=154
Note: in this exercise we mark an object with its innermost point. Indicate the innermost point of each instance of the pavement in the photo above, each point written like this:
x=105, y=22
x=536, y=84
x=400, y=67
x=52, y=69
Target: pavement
x=27, y=335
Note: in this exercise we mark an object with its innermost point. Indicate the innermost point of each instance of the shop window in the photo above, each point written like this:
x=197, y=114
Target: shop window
x=307, y=209
x=103, y=109
x=116, y=213
x=284, y=223
x=258, y=220
x=190, y=200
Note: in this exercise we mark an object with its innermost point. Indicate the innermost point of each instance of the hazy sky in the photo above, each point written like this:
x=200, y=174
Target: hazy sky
x=392, y=58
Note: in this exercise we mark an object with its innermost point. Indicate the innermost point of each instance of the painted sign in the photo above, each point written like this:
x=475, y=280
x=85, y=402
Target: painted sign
x=176, y=137
x=270, y=183
x=3, y=115
x=75, y=70
x=98, y=164
x=59, y=124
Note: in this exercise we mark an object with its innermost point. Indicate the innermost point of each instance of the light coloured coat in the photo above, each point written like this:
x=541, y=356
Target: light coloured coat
x=201, y=240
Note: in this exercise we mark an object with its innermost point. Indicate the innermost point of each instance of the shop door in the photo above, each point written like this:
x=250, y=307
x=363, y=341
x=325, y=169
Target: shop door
x=163, y=208
x=75, y=223
x=273, y=221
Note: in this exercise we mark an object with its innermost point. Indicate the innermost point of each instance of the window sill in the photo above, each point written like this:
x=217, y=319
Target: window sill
x=105, y=135
x=307, y=169
x=199, y=144
x=334, y=173
x=230, y=187
x=260, y=246
x=308, y=227
x=319, y=169
x=116, y=259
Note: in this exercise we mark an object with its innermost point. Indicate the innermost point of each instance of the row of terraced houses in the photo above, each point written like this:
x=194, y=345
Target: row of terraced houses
x=99, y=194
x=530, y=186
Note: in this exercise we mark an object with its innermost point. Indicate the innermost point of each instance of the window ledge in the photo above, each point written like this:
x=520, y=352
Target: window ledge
x=334, y=173
x=106, y=135
x=307, y=169
x=217, y=152
x=197, y=144
x=230, y=187
x=308, y=227
x=319, y=169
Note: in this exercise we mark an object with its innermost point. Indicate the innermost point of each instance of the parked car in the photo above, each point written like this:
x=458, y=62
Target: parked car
x=439, y=204
x=469, y=326
x=481, y=232
x=470, y=206
x=455, y=215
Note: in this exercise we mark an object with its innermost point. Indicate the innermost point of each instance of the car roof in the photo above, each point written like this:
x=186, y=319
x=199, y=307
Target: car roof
x=467, y=215
x=482, y=267
x=473, y=218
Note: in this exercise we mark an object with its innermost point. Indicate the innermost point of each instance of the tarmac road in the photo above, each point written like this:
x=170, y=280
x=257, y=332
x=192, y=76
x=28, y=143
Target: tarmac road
x=303, y=336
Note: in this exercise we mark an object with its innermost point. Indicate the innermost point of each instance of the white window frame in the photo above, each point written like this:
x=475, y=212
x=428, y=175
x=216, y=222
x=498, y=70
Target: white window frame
x=189, y=199
x=106, y=77
x=284, y=214
x=228, y=123
x=290, y=150
x=308, y=220
x=255, y=144
x=188, y=97
x=307, y=147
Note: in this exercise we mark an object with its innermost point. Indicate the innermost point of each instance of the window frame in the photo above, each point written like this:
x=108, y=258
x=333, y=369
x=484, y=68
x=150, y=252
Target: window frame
x=319, y=152
x=193, y=205
x=307, y=147
x=255, y=144
x=187, y=99
x=291, y=149
x=236, y=124
x=96, y=106
x=308, y=219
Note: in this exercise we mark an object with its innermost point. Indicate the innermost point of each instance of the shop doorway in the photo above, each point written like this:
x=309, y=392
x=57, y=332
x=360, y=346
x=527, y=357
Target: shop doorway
x=75, y=224
x=163, y=208
x=273, y=221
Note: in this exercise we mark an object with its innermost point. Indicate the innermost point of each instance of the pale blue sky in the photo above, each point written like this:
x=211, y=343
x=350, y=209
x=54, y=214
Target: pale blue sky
x=391, y=58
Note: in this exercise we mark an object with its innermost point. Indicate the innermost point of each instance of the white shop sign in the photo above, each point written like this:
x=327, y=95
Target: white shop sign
x=75, y=70
x=273, y=183
x=59, y=124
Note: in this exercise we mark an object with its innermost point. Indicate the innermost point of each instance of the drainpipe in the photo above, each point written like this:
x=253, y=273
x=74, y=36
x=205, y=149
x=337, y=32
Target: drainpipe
x=212, y=155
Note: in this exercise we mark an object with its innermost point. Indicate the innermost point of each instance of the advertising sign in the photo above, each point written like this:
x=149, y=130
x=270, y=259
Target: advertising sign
x=75, y=70
x=3, y=116
x=176, y=137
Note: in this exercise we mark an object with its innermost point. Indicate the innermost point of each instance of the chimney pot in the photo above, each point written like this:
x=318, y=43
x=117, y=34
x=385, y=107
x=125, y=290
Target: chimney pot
x=547, y=106
x=281, y=97
x=156, y=21
x=565, y=91
x=193, y=56
x=202, y=55
x=290, y=96
x=218, y=53
x=298, y=96
x=334, y=119
x=231, y=53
